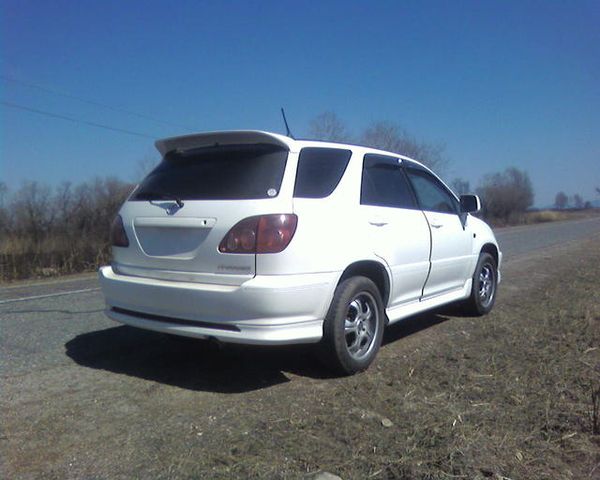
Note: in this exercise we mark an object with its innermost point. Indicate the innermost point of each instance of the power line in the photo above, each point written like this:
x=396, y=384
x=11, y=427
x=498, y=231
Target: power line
x=74, y=120
x=92, y=102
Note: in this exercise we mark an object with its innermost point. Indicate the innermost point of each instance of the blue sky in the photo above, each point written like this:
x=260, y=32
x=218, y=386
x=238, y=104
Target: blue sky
x=499, y=83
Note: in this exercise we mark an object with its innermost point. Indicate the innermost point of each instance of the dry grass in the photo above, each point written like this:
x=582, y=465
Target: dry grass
x=55, y=255
x=542, y=216
x=545, y=216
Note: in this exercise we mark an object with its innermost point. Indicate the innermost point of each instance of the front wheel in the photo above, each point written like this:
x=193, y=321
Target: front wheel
x=353, y=327
x=485, y=283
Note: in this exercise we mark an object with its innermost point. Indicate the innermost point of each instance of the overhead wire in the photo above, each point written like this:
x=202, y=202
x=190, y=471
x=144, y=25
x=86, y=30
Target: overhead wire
x=91, y=102
x=72, y=119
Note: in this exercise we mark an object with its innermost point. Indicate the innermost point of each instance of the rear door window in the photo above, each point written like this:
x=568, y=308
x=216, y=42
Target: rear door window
x=384, y=183
x=320, y=171
x=227, y=172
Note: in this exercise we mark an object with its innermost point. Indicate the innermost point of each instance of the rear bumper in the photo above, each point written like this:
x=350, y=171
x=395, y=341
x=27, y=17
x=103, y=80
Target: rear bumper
x=273, y=309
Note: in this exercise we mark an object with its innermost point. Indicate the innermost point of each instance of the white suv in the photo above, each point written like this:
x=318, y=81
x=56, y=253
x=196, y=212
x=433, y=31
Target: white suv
x=254, y=237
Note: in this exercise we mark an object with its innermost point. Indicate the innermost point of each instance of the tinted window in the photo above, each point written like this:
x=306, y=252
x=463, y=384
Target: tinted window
x=431, y=193
x=217, y=173
x=384, y=183
x=319, y=171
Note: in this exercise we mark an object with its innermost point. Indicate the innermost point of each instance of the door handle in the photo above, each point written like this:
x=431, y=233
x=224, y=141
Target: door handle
x=378, y=223
x=437, y=225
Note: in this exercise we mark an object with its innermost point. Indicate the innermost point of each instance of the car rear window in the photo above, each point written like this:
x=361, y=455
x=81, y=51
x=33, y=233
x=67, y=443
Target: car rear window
x=227, y=172
x=319, y=171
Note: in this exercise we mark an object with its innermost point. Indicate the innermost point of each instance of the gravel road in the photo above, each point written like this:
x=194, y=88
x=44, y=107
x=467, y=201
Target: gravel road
x=51, y=331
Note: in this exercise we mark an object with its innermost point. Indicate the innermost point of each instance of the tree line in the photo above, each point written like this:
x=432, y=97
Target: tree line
x=562, y=201
x=50, y=231
x=506, y=196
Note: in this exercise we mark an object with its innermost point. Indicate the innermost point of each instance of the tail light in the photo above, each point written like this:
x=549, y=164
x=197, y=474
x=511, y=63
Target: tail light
x=118, y=236
x=261, y=234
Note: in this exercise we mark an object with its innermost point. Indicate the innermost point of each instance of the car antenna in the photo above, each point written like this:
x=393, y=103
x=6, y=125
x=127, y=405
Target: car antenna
x=287, y=127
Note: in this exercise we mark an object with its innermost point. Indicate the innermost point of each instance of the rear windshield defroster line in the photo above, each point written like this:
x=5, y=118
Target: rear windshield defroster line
x=227, y=172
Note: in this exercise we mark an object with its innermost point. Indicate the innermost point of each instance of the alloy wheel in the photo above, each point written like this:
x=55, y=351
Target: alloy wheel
x=360, y=325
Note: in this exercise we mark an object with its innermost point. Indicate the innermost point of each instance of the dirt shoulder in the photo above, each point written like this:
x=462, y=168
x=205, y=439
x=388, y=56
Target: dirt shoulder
x=507, y=395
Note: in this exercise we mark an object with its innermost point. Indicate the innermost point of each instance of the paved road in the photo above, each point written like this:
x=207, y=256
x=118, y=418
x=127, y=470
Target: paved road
x=517, y=241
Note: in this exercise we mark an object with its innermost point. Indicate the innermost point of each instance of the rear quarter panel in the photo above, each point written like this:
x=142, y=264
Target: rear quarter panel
x=330, y=233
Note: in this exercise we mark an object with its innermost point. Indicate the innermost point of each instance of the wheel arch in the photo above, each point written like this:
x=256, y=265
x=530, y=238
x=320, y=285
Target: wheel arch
x=492, y=250
x=374, y=271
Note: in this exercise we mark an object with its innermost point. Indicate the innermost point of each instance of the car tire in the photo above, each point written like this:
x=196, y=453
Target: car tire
x=353, y=327
x=484, y=288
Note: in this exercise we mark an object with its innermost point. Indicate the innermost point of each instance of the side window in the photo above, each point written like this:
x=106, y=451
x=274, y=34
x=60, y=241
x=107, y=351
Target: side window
x=431, y=193
x=319, y=171
x=384, y=183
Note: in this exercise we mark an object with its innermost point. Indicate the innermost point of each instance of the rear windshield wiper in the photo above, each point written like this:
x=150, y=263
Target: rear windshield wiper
x=163, y=195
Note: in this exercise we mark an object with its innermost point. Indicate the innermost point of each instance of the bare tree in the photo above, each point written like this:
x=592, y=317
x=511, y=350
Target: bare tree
x=64, y=201
x=3, y=192
x=383, y=135
x=561, y=200
x=460, y=186
x=46, y=231
x=33, y=210
x=327, y=126
x=144, y=166
x=578, y=201
x=389, y=136
x=506, y=194
x=4, y=217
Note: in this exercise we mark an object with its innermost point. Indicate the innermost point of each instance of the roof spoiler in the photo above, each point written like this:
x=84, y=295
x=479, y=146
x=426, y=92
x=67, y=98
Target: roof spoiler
x=209, y=139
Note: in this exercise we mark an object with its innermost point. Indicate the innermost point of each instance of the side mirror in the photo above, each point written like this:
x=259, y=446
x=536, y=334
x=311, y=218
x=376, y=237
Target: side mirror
x=469, y=203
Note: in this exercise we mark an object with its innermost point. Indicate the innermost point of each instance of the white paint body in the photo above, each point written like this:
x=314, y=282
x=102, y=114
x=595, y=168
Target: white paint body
x=173, y=279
